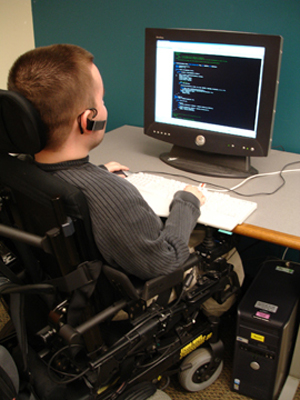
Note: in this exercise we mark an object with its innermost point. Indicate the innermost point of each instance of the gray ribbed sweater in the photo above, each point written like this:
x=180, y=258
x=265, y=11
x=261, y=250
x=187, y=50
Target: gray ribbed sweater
x=126, y=230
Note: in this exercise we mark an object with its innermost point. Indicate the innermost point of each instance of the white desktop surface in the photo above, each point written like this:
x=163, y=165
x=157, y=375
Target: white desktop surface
x=277, y=214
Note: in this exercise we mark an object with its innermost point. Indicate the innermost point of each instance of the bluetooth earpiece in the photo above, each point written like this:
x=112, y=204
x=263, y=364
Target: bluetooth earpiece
x=91, y=125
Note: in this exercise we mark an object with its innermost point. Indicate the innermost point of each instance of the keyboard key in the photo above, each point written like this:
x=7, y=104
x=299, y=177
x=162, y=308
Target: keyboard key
x=220, y=210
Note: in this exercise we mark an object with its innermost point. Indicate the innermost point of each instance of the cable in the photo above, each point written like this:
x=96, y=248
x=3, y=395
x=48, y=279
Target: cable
x=73, y=377
x=153, y=362
x=284, y=253
x=280, y=173
x=199, y=182
x=221, y=188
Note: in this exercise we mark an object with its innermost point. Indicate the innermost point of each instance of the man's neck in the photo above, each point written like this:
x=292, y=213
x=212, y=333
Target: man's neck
x=53, y=157
x=74, y=148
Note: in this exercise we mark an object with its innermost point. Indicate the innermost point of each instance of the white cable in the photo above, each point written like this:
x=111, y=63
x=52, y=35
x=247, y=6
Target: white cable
x=262, y=175
x=284, y=253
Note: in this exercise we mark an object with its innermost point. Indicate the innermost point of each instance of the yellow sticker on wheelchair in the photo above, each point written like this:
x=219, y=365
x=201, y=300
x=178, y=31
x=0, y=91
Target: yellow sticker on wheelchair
x=194, y=345
x=257, y=337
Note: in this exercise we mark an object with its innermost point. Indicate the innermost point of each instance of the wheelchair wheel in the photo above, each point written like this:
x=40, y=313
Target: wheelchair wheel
x=197, y=378
x=141, y=391
x=9, y=376
x=159, y=395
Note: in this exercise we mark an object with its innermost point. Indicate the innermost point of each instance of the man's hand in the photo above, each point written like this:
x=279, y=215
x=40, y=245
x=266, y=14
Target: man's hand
x=195, y=191
x=114, y=166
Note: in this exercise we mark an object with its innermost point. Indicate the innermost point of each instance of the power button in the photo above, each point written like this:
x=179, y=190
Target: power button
x=200, y=140
x=254, y=365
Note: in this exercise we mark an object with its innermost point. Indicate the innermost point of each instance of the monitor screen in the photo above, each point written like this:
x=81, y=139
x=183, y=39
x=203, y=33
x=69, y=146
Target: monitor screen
x=212, y=94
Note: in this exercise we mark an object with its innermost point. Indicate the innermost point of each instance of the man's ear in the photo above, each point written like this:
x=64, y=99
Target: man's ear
x=83, y=119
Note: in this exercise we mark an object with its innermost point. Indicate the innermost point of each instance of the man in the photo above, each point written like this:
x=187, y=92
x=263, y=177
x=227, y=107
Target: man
x=66, y=87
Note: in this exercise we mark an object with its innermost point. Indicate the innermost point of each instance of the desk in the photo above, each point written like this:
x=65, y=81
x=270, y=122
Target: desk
x=277, y=218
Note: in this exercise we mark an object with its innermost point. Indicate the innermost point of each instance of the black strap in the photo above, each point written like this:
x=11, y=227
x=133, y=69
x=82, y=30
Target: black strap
x=85, y=274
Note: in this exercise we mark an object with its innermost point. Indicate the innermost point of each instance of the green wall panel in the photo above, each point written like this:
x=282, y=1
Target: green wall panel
x=113, y=30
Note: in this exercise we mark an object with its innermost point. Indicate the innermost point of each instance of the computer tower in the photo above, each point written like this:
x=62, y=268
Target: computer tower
x=266, y=325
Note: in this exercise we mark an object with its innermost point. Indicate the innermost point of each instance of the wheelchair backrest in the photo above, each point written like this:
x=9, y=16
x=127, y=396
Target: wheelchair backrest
x=35, y=201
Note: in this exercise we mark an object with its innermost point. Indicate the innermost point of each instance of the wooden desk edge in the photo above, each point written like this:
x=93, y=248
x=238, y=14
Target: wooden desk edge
x=267, y=235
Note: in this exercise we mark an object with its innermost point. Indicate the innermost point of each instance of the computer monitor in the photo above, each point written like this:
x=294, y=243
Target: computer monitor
x=212, y=94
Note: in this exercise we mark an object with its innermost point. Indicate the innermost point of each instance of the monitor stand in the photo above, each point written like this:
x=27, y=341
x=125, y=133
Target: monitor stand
x=208, y=163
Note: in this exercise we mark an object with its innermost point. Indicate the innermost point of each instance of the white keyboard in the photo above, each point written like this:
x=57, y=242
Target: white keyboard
x=220, y=210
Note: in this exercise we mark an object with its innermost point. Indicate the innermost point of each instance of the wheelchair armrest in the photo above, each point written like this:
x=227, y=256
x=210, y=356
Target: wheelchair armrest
x=161, y=284
x=135, y=288
x=123, y=283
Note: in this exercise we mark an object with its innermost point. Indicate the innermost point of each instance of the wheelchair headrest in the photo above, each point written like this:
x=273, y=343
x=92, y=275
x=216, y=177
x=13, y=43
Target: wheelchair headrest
x=21, y=128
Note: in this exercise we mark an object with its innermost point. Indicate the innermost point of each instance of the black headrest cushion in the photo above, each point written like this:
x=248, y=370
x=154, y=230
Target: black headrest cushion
x=21, y=128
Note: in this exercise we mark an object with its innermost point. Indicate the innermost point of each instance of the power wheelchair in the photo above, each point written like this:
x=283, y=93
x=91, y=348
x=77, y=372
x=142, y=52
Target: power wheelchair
x=64, y=300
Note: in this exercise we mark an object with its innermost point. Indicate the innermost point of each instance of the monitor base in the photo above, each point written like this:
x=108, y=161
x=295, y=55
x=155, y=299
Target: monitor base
x=208, y=163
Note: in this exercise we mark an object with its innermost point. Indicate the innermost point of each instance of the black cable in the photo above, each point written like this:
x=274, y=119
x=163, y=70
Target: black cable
x=216, y=186
x=275, y=190
x=38, y=288
x=156, y=360
x=73, y=376
x=213, y=185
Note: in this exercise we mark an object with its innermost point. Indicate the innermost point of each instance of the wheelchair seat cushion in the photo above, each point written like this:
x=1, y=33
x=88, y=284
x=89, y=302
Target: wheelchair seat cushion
x=21, y=128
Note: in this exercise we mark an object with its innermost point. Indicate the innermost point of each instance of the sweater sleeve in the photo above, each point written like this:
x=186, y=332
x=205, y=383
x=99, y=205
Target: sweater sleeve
x=136, y=239
x=127, y=231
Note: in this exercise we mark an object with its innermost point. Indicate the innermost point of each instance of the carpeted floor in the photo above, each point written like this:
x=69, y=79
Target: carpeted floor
x=4, y=318
x=220, y=389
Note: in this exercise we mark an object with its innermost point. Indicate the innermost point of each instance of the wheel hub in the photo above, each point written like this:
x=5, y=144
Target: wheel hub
x=201, y=374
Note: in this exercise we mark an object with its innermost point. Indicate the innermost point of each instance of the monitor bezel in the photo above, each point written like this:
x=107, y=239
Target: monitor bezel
x=210, y=141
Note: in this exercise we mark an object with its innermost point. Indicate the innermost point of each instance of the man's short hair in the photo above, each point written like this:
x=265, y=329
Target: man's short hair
x=57, y=79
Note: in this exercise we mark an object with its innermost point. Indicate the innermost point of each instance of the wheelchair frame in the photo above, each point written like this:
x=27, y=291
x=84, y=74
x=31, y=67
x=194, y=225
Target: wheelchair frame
x=71, y=355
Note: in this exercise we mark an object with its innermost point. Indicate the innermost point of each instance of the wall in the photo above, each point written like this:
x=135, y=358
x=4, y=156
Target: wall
x=113, y=30
x=16, y=33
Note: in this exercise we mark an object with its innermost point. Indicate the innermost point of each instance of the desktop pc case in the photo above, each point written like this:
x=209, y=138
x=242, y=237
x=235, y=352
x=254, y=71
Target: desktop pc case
x=266, y=326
